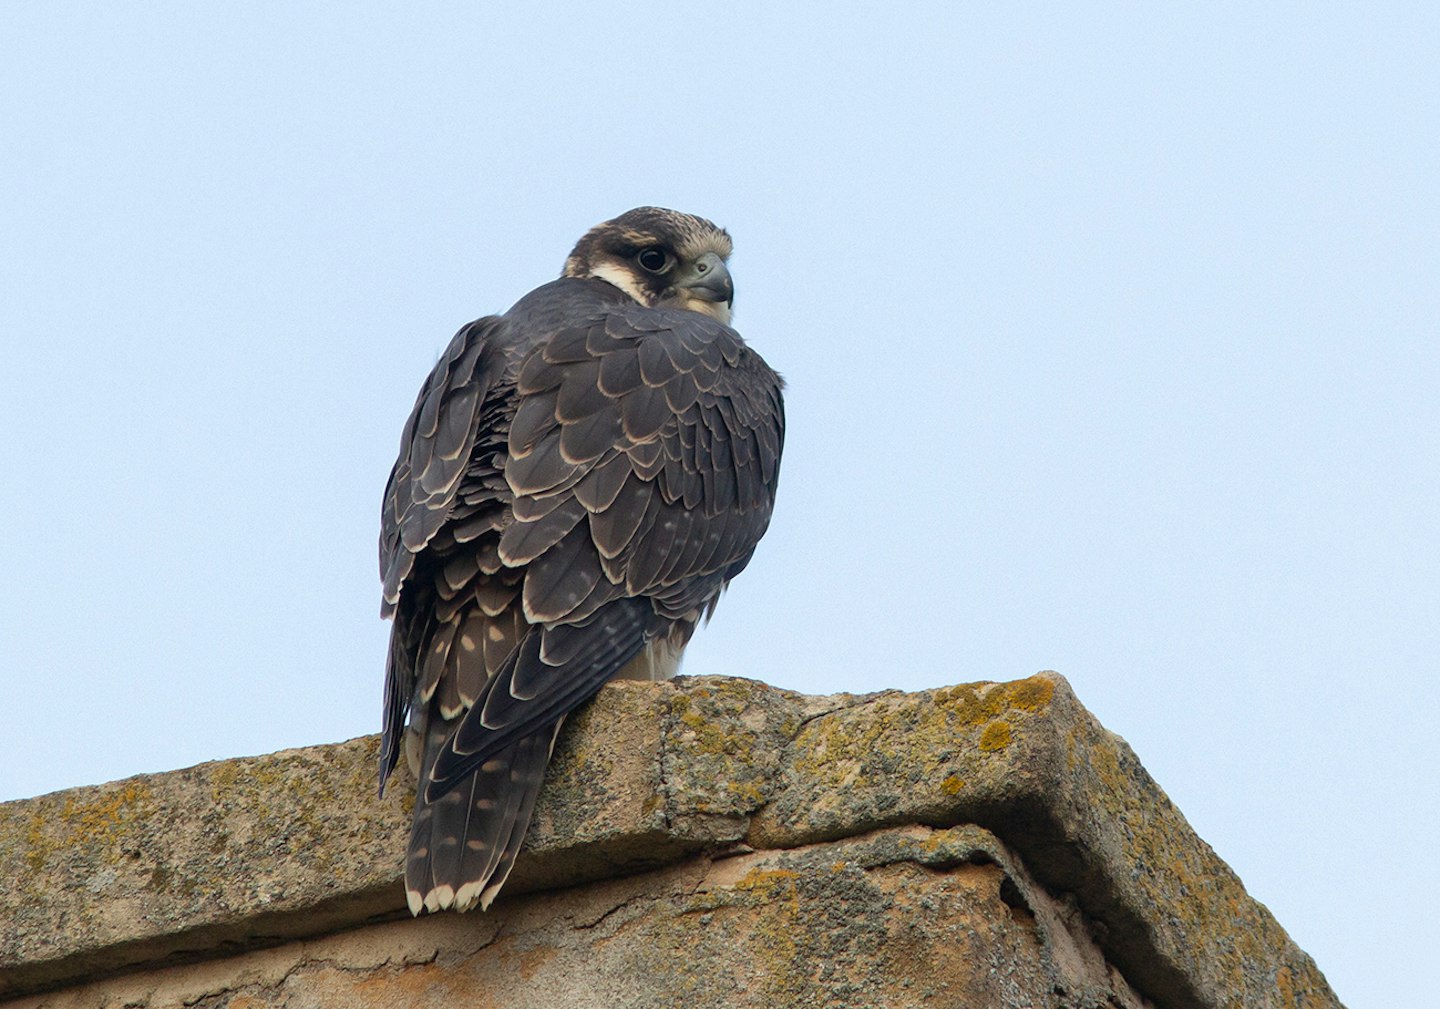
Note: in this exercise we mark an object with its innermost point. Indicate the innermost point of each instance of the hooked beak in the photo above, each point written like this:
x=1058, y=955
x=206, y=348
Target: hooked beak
x=706, y=279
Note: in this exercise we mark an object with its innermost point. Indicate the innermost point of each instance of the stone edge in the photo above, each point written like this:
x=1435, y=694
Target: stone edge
x=1070, y=798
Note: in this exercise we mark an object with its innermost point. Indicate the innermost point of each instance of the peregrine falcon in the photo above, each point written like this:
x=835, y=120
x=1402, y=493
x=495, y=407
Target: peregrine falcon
x=578, y=482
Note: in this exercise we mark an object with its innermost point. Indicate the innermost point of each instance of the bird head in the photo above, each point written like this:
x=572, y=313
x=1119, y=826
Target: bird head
x=661, y=258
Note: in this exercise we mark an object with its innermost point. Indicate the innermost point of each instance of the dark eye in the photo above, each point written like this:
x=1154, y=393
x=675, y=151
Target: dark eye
x=655, y=260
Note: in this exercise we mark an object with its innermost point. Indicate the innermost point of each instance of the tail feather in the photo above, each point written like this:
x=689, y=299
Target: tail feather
x=463, y=843
x=535, y=766
x=481, y=768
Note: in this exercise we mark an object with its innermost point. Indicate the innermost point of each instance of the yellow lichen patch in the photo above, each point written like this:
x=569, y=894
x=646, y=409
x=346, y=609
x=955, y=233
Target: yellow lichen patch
x=952, y=785
x=776, y=930
x=841, y=750
x=1105, y=763
x=997, y=736
x=747, y=790
x=709, y=735
x=768, y=883
x=37, y=845
x=104, y=814
x=757, y=888
x=974, y=703
x=934, y=842
x=1030, y=694
x=95, y=820
x=1291, y=998
x=100, y=821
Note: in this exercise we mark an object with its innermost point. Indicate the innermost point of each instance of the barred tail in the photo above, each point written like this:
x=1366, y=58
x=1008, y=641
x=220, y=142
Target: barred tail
x=464, y=842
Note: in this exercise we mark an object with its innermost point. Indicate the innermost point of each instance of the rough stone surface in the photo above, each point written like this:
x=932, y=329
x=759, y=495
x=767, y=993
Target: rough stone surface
x=905, y=917
x=720, y=842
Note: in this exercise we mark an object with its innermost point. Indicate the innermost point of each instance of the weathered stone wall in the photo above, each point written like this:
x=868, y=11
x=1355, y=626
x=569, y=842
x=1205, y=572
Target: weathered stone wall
x=705, y=842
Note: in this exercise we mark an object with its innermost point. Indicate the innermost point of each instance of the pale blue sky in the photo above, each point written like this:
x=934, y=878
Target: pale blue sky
x=1110, y=333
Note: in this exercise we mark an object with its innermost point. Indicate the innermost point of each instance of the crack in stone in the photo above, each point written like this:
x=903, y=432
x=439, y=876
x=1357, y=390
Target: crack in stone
x=854, y=701
x=271, y=989
x=585, y=926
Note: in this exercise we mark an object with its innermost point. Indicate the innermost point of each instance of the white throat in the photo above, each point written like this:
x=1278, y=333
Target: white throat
x=619, y=277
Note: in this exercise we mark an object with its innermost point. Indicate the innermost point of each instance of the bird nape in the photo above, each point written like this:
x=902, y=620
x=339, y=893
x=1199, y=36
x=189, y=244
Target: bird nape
x=578, y=481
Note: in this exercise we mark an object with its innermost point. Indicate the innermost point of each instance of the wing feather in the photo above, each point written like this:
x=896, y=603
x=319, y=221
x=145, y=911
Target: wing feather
x=614, y=529
x=603, y=484
x=580, y=394
x=544, y=468
x=533, y=420
x=561, y=578
x=619, y=372
x=586, y=440
x=644, y=413
x=524, y=542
